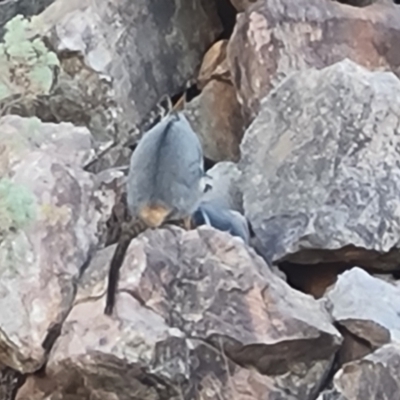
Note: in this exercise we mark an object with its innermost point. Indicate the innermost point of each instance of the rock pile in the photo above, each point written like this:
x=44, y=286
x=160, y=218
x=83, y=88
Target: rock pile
x=298, y=114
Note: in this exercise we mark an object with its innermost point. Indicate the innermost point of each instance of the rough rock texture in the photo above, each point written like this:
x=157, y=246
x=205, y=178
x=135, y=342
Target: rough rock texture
x=147, y=50
x=274, y=38
x=49, y=211
x=320, y=168
x=215, y=115
x=183, y=297
x=369, y=310
x=377, y=376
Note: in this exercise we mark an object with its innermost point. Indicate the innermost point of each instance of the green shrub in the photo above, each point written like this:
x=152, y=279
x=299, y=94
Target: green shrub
x=26, y=66
x=17, y=206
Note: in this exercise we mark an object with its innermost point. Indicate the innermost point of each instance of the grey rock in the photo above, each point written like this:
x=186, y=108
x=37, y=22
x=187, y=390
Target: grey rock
x=274, y=38
x=49, y=214
x=368, y=308
x=183, y=297
x=320, y=168
x=376, y=376
x=130, y=55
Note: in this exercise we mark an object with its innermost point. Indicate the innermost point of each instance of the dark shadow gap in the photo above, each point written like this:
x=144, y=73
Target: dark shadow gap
x=227, y=14
x=357, y=3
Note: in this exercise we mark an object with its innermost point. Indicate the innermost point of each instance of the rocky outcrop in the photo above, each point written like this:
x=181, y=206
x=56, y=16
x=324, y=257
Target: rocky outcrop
x=49, y=216
x=103, y=52
x=161, y=44
x=303, y=131
x=197, y=314
x=275, y=38
x=319, y=166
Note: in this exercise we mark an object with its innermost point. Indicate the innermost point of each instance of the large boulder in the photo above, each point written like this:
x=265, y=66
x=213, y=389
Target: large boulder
x=274, y=38
x=108, y=68
x=49, y=215
x=145, y=50
x=198, y=315
x=320, y=168
x=367, y=311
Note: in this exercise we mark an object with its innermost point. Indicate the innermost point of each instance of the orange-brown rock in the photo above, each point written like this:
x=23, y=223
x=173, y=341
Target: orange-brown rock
x=216, y=117
x=214, y=65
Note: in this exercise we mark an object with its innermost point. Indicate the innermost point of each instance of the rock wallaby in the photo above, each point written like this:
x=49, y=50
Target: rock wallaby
x=164, y=185
x=222, y=218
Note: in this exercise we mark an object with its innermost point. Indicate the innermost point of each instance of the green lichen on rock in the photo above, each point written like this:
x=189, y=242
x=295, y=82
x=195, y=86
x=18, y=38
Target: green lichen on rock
x=17, y=206
x=26, y=65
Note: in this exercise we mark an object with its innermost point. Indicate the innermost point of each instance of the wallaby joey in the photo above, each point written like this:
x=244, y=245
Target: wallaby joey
x=222, y=218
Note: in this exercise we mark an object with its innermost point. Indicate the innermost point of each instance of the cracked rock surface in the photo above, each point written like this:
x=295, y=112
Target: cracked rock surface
x=319, y=168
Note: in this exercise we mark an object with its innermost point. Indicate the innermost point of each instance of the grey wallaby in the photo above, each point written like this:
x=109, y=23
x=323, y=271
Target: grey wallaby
x=220, y=217
x=164, y=184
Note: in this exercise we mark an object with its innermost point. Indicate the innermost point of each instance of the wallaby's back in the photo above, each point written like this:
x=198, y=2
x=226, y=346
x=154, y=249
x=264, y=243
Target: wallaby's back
x=165, y=172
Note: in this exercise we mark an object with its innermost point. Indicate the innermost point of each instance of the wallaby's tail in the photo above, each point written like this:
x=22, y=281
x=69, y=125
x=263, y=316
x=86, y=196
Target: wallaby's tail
x=113, y=274
x=130, y=231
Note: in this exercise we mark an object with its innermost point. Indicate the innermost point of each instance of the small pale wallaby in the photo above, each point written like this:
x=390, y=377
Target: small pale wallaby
x=220, y=217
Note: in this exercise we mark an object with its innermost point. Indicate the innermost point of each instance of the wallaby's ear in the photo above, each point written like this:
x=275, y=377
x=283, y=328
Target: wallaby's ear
x=185, y=98
x=165, y=105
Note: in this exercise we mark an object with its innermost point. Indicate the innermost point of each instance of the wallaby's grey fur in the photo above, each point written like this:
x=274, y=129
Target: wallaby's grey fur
x=218, y=216
x=164, y=184
x=166, y=171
